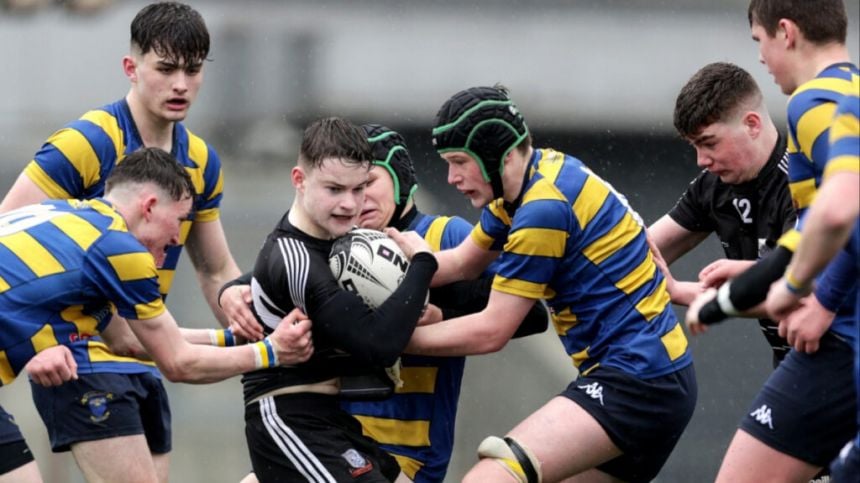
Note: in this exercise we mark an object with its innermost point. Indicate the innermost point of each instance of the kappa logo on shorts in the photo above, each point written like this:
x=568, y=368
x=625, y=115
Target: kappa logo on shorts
x=357, y=462
x=97, y=402
x=594, y=390
x=762, y=415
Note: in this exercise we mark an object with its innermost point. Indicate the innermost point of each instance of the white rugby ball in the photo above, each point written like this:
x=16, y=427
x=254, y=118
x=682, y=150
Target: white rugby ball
x=369, y=264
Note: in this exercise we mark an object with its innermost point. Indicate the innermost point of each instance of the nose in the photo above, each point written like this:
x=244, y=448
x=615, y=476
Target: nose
x=180, y=81
x=703, y=160
x=453, y=176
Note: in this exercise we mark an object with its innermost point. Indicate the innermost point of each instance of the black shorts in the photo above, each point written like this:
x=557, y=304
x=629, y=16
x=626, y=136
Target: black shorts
x=102, y=406
x=643, y=417
x=308, y=437
x=14, y=452
x=808, y=406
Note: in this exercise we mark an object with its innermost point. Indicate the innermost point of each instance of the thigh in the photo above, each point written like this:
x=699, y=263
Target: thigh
x=807, y=409
x=644, y=418
x=26, y=473
x=291, y=441
x=101, y=406
x=749, y=460
x=120, y=458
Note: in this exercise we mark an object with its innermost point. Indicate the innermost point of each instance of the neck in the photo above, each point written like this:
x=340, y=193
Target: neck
x=818, y=58
x=300, y=219
x=763, y=151
x=514, y=175
x=154, y=132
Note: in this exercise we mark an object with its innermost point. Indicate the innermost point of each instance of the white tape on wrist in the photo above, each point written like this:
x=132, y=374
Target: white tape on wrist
x=725, y=302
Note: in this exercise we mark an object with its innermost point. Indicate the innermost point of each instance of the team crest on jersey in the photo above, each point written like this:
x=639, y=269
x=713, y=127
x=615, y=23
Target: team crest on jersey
x=97, y=403
x=358, y=463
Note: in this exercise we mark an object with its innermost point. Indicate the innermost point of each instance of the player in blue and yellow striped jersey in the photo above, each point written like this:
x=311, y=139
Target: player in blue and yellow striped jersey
x=169, y=45
x=567, y=237
x=416, y=424
x=798, y=421
x=833, y=222
x=67, y=266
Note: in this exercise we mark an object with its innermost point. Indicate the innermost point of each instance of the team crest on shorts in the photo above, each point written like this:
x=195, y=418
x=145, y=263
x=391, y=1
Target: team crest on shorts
x=96, y=402
x=358, y=463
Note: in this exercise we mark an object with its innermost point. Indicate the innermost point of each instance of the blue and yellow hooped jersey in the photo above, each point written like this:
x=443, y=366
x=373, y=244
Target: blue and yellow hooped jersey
x=810, y=114
x=75, y=162
x=65, y=267
x=811, y=111
x=572, y=240
x=416, y=425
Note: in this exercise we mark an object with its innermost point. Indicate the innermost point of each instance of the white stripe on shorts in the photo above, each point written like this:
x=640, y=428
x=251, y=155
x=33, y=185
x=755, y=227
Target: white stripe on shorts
x=299, y=455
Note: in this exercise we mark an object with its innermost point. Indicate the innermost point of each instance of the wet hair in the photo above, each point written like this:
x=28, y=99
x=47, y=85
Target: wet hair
x=820, y=21
x=337, y=138
x=717, y=92
x=152, y=165
x=172, y=30
x=485, y=123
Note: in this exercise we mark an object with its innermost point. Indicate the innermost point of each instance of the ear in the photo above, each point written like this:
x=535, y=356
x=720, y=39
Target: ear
x=789, y=30
x=147, y=204
x=298, y=177
x=129, y=68
x=753, y=123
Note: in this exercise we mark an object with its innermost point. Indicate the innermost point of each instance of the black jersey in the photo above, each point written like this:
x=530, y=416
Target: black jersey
x=349, y=338
x=748, y=218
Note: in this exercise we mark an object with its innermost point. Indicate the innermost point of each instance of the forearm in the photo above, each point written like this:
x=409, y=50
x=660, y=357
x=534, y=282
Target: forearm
x=214, y=337
x=203, y=364
x=462, y=336
x=683, y=293
x=211, y=283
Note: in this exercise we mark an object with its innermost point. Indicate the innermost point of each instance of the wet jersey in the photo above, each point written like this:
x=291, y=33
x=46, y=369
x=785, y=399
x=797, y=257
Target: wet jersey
x=748, y=218
x=572, y=240
x=811, y=110
x=416, y=425
x=66, y=265
x=75, y=162
x=292, y=271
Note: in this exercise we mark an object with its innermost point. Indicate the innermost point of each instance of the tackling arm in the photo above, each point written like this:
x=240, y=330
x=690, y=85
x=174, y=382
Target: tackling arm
x=210, y=255
x=24, y=192
x=481, y=333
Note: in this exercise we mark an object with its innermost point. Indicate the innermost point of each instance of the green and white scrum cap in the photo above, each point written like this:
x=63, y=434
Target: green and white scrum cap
x=389, y=151
x=484, y=123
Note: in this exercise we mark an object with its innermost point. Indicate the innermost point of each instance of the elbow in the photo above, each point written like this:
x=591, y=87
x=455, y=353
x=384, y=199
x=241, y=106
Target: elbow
x=175, y=373
x=489, y=342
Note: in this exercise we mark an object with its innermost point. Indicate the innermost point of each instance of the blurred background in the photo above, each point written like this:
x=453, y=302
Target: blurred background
x=596, y=79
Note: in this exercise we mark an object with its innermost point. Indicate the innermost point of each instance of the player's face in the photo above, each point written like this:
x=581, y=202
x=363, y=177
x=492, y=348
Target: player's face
x=165, y=88
x=725, y=149
x=378, y=200
x=163, y=225
x=465, y=175
x=771, y=53
x=332, y=196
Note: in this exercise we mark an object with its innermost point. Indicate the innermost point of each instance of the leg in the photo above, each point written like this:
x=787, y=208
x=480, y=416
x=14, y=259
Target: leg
x=250, y=478
x=129, y=461
x=162, y=466
x=28, y=473
x=743, y=463
x=402, y=478
x=554, y=433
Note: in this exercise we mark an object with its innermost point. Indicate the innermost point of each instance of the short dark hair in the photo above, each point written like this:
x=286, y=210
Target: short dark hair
x=820, y=21
x=715, y=93
x=152, y=165
x=334, y=137
x=172, y=30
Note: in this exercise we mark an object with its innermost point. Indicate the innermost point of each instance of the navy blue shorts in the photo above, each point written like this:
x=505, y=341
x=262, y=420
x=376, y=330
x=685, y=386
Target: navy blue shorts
x=643, y=417
x=308, y=437
x=846, y=466
x=808, y=406
x=101, y=406
x=14, y=452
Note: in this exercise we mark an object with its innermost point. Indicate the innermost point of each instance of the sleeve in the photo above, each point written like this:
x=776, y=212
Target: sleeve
x=209, y=180
x=837, y=281
x=491, y=231
x=751, y=287
x=118, y=268
x=690, y=211
x=534, y=247
x=72, y=160
x=376, y=336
